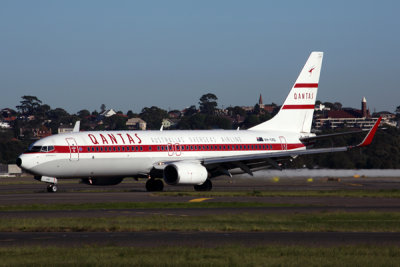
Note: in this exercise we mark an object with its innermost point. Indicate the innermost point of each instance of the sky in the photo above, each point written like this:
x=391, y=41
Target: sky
x=133, y=54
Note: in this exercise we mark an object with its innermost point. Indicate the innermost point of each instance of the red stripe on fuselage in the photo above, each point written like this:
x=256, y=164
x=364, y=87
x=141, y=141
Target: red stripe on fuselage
x=298, y=107
x=306, y=85
x=174, y=147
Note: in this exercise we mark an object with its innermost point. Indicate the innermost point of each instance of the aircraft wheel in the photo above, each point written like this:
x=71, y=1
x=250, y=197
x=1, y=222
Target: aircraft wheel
x=206, y=186
x=159, y=185
x=154, y=185
x=52, y=188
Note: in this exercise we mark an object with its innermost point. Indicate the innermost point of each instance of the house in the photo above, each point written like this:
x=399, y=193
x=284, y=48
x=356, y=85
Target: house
x=108, y=113
x=4, y=125
x=136, y=124
x=167, y=123
x=174, y=114
x=35, y=133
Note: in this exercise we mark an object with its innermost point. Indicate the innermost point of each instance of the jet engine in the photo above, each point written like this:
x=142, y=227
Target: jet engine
x=102, y=181
x=185, y=173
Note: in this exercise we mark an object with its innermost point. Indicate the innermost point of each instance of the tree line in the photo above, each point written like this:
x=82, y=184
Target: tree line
x=382, y=153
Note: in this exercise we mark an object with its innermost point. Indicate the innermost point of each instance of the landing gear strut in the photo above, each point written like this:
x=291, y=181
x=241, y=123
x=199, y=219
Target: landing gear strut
x=154, y=185
x=52, y=188
x=51, y=181
x=206, y=186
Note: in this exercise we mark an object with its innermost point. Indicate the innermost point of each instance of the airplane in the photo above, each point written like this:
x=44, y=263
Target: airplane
x=185, y=157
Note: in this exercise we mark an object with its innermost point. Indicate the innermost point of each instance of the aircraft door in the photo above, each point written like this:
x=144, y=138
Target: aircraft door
x=170, y=149
x=177, y=149
x=73, y=148
x=283, y=142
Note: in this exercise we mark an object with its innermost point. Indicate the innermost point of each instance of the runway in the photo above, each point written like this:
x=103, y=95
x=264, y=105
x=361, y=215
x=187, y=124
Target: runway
x=25, y=191
x=204, y=239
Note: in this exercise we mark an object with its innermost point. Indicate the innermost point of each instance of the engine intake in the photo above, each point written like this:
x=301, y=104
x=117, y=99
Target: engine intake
x=185, y=173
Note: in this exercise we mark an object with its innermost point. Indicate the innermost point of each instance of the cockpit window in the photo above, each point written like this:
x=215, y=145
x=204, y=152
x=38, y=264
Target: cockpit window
x=35, y=149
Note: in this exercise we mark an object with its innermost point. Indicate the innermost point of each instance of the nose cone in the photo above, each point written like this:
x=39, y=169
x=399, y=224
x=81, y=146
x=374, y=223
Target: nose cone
x=24, y=162
x=19, y=161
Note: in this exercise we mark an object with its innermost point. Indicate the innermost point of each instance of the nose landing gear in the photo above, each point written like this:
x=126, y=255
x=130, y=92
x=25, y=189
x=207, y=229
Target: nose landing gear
x=51, y=181
x=52, y=188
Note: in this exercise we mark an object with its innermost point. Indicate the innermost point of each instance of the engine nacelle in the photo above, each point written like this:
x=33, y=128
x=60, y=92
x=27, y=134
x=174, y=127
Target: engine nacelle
x=102, y=181
x=185, y=173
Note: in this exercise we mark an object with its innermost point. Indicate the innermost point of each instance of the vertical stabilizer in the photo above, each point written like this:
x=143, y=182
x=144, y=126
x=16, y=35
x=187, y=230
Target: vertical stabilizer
x=297, y=111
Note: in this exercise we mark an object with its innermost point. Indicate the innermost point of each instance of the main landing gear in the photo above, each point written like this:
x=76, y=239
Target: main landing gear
x=206, y=186
x=154, y=185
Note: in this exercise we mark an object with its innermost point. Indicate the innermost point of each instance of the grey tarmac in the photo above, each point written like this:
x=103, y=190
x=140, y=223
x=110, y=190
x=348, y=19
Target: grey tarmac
x=20, y=191
x=204, y=239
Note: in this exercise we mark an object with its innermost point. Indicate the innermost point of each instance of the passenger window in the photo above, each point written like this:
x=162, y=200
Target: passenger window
x=141, y=148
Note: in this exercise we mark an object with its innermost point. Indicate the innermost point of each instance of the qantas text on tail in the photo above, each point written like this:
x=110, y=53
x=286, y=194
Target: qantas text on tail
x=183, y=157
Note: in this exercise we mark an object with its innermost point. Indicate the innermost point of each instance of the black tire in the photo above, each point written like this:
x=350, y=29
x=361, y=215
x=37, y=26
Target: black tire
x=159, y=185
x=206, y=186
x=52, y=188
x=153, y=185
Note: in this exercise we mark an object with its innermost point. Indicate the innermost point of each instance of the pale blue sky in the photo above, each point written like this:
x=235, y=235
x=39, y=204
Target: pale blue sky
x=131, y=54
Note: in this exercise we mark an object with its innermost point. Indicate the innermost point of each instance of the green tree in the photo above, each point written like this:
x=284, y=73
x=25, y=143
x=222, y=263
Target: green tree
x=190, y=111
x=234, y=111
x=84, y=113
x=115, y=122
x=153, y=116
x=208, y=103
x=251, y=120
x=29, y=105
x=102, y=108
x=130, y=114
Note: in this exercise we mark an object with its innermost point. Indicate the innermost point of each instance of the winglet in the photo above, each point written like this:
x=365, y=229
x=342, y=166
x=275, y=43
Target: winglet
x=76, y=127
x=368, y=139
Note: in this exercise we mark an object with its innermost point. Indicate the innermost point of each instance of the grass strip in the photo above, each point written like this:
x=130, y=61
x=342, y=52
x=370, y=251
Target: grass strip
x=139, y=205
x=304, y=222
x=201, y=256
x=392, y=193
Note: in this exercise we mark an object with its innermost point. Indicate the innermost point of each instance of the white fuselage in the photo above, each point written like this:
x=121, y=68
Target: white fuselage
x=130, y=153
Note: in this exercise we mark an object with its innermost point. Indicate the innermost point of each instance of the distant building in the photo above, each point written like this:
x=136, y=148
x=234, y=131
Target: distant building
x=260, y=102
x=108, y=113
x=321, y=107
x=388, y=118
x=65, y=129
x=136, y=124
x=35, y=133
x=4, y=125
x=167, y=123
x=345, y=118
x=174, y=114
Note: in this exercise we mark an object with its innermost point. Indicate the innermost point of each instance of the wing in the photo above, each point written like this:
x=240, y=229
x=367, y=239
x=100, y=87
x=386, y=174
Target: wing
x=249, y=163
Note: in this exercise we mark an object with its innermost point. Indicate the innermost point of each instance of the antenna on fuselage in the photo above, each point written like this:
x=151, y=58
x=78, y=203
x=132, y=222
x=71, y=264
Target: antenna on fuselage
x=162, y=128
x=77, y=127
